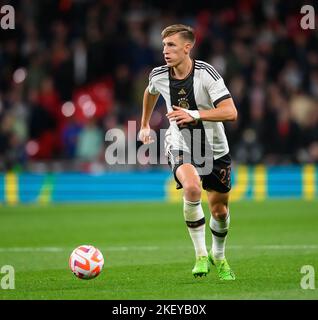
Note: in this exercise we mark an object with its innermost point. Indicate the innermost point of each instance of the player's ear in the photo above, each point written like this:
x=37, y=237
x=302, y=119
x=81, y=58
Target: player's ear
x=187, y=47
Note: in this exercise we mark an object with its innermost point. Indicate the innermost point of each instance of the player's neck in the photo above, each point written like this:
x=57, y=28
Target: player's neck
x=182, y=70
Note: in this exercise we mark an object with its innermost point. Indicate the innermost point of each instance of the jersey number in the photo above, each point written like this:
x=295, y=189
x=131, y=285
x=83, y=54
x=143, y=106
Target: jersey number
x=226, y=175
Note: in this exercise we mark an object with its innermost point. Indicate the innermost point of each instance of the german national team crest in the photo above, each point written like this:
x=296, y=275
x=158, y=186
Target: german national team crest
x=183, y=103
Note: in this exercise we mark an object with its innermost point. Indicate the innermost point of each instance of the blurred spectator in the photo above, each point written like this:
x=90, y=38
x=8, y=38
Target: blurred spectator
x=6, y=141
x=42, y=126
x=70, y=134
x=90, y=142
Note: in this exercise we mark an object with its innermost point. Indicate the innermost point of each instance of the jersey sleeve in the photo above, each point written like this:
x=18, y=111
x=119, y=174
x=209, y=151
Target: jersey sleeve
x=151, y=86
x=217, y=89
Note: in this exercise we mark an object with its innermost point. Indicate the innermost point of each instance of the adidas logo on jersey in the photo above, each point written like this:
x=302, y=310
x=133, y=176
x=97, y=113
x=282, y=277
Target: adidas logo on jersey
x=182, y=91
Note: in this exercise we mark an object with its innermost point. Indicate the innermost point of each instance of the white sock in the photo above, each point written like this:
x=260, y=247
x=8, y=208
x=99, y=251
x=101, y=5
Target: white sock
x=195, y=220
x=219, y=231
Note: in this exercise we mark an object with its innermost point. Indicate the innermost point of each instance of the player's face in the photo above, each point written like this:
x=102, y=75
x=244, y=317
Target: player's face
x=175, y=49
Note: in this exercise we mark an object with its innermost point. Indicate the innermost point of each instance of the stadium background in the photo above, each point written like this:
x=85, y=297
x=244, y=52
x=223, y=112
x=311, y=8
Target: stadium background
x=71, y=70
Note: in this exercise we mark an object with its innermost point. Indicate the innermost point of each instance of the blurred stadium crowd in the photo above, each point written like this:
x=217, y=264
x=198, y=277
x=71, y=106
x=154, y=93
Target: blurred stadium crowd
x=72, y=69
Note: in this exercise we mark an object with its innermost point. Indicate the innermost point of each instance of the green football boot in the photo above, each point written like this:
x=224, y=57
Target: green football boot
x=201, y=267
x=224, y=270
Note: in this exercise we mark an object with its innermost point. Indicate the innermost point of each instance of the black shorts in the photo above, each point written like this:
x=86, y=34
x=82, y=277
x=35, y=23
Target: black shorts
x=219, y=179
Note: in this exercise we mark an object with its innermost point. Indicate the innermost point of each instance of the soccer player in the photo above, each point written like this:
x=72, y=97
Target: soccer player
x=197, y=100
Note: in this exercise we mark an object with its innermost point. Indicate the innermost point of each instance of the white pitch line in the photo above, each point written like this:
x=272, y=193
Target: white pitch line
x=141, y=248
x=28, y=249
x=287, y=247
x=154, y=248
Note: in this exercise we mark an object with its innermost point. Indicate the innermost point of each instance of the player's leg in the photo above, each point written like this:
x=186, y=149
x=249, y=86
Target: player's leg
x=219, y=221
x=194, y=215
x=219, y=226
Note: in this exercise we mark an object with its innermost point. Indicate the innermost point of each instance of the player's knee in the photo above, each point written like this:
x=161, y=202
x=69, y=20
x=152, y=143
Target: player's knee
x=192, y=191
x=220, y=211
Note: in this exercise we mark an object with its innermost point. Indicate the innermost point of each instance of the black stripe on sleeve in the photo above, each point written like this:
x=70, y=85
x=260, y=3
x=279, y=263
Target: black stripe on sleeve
x=156, y=73
x=211, y=74
x=214, y=74
x=211, y=69
x=221, y=99
x=158, y=69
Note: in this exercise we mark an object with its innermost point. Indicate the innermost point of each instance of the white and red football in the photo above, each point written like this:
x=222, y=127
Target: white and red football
x=86, y=262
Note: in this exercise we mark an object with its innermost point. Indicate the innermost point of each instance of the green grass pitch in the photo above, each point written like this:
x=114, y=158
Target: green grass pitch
x=148, y=252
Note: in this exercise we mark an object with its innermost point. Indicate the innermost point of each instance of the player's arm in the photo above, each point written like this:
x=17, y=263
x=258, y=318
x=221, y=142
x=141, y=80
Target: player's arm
x=224, y=111
x=149, y=102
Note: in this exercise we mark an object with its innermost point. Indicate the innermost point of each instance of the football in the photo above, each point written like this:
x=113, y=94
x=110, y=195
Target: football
x=86, y=262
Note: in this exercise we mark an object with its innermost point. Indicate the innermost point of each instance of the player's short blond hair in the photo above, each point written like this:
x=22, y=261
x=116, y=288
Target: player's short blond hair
x=186, y=32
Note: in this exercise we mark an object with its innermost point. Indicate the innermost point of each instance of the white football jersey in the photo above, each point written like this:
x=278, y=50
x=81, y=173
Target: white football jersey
x=202, y=89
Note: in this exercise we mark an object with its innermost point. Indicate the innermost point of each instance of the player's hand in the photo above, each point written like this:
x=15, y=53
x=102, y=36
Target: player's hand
x=144, y=135
x=180, y=116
